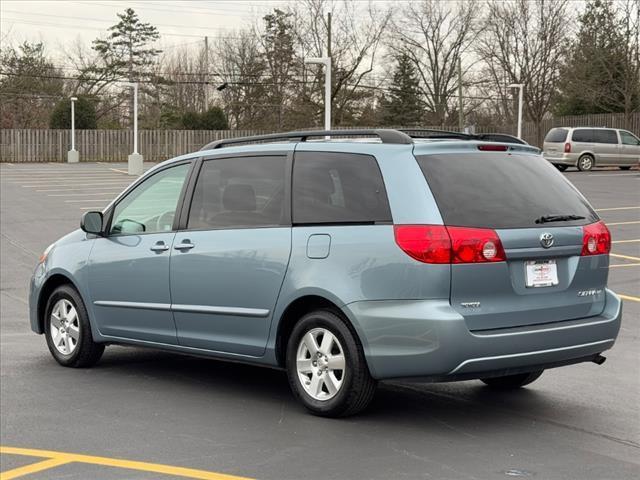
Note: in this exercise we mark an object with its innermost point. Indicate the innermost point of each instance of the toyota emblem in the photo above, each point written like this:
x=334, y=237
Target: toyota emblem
x=546, y=240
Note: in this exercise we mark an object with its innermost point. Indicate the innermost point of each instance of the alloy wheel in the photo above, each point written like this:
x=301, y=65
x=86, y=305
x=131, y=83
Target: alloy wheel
x=320, y=364
x=65, y=327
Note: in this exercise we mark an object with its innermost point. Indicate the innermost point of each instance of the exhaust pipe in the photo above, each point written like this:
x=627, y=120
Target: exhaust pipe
x=599, y=359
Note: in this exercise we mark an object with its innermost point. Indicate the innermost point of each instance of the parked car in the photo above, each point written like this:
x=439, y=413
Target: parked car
x=344, y=263
x=586, y=148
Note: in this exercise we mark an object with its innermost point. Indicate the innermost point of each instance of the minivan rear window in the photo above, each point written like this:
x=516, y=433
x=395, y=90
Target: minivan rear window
x=501, y=190
x=556, y=135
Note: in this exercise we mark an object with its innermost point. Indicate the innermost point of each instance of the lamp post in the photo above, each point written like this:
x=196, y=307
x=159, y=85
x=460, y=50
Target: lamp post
x=73, y=156
x=135, y=163
x=326, y=61
x=520, y=86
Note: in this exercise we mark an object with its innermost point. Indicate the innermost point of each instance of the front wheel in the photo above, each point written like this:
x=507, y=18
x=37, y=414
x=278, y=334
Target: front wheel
x=67, y=330
x=511, y=382
x=326, y=367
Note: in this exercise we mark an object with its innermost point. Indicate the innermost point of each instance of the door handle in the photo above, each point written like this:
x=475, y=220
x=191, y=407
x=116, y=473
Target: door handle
x=185, y=245
x=159, y=247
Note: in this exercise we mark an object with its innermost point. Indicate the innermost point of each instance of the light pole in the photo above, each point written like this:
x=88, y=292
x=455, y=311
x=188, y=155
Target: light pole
x=135, y=161
x=72, y=155
x=520, y=86
x=326, y=61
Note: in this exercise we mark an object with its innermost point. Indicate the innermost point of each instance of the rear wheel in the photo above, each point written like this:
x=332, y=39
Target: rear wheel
x=625, y=168
x=326, y=367
x=562, y=168
x=585, y=163
x=67, y=330
x=511, y=382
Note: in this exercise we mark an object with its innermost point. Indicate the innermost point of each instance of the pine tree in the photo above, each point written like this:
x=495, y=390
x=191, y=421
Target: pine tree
x=594, y=75
x=126, y=54
x=403, y=105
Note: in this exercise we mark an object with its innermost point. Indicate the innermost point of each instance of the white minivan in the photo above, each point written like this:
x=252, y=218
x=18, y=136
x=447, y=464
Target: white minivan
x=586, y=148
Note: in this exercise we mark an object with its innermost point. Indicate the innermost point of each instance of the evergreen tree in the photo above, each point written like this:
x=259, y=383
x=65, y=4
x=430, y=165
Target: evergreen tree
x=594, y=74
x=126, y=54
x=403, y=105
x=85, y=114
x=30, y=85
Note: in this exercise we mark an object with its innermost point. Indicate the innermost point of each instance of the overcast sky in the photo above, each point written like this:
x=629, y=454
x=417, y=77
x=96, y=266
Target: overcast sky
x=60, y=22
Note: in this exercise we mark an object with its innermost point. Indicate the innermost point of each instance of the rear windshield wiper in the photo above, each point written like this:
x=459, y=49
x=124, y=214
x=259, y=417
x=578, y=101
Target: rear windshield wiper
x=558, y=218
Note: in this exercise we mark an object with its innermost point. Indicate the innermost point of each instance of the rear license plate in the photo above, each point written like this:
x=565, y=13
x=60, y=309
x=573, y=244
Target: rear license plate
x=541, y=273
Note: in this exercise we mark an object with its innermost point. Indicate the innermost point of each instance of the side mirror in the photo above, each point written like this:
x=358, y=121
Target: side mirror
x=91, y=222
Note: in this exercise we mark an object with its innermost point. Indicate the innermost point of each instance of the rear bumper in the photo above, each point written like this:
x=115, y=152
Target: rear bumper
x=429, y=340
x=561, y=158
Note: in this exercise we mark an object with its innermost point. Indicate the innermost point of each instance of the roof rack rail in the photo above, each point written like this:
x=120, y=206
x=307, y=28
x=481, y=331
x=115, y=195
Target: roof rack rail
x=433, y=133
x=385, y=135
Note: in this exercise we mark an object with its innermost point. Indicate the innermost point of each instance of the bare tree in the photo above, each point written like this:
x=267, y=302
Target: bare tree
x=241, y=68
x=435, y=35
x=524, y=42
x=357, y=31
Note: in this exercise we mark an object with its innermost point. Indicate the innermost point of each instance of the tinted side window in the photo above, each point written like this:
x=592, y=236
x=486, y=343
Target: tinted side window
x=582, y=135
x=605, y=136
x=338, y=188
x=629, y=138
x=239, y=192
x=556, y=135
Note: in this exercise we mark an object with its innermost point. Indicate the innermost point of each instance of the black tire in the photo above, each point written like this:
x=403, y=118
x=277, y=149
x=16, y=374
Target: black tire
x=625, y=168
x=86, y=352
x=586, y=163
x=358, y=387
x=562, y=168
x=511, y=382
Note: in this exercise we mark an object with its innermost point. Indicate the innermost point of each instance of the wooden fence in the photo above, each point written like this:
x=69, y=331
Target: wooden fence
x=156, y=145
x=106, y=145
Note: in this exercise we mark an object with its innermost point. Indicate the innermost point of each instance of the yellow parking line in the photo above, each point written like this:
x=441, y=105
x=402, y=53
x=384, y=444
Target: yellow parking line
x=60, y=458
x=627, y=241
x=119, y=171
x=629, y=297
x=616, y=208
x=625, y=265
x=32, y=468
x=623, y=223
x=626, y=257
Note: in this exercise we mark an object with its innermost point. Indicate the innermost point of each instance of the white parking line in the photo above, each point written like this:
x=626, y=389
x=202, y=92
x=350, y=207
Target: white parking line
x=114, y=189
x=627, y=241
x=75, y=194
x=623, y=223
x=74, y=184
x=84, y=200
x=612, y=174
x=616, y=208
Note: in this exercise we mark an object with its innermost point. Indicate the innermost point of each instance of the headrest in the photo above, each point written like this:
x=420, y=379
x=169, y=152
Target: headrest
x=239, y=198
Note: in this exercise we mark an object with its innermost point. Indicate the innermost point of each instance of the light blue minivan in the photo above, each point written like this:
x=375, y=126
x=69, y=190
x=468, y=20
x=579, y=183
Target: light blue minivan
x=344, y=257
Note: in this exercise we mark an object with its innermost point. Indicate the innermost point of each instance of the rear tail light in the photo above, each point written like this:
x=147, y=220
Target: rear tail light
x=493, y=148
x=596, y=239
x=440, y=244
x=425, y=243
x=475, y=245
x=567, y=147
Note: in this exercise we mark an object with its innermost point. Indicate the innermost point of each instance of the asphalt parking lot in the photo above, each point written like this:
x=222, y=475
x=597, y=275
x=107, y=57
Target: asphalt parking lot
x=173, y=416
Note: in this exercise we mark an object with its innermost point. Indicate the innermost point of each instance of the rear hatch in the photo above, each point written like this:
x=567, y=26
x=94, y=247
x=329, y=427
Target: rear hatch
x=554, y=142
x=546, y=274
